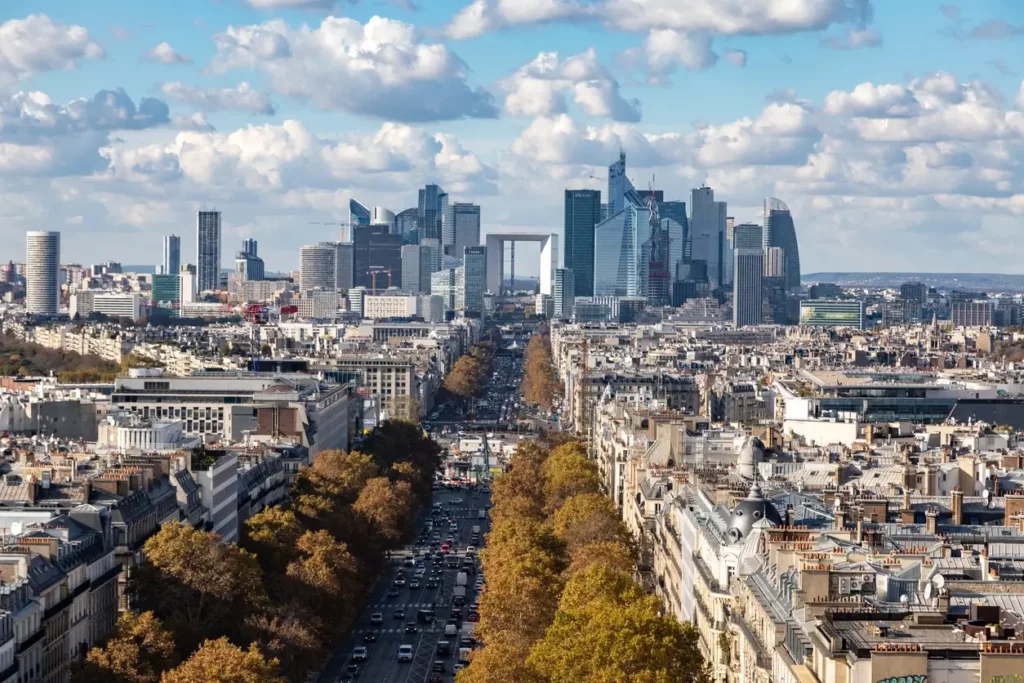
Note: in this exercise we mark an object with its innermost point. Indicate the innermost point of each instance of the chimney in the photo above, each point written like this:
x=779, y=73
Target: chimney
x=860, y=531
x=86, y=491
x=958, y=506
x=931, y=520
x=31, y=485
x=840, y=519
x=985, y=568
x=906, y=511
x=869, y=434
x=995, y=485
x=789, y=515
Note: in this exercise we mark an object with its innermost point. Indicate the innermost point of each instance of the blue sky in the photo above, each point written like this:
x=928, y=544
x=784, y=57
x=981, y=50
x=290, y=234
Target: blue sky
x=894, y=129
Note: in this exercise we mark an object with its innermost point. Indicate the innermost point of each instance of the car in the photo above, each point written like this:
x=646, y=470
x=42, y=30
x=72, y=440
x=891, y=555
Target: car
x=359, y=653
x=438, y=666
x=399, y=613
x=456, y=613
x=405, y=653
x=458, y=667
x=410, y=562
x=369, y=637
x=473, y=616
x=444, y=648
x=432, y=584
x=376, y=618
x=392, y=592
x=435, y=678
x=352, y=670
x=414, y=585
x=420, y=571
x=411, y=627
x=400, y=581
x=467, y=641
x=471, y=550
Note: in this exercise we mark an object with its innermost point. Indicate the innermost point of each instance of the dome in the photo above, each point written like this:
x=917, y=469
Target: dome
x=751, y=510
x=751, y=454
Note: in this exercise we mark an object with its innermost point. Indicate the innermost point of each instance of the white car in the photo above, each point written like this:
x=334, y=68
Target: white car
x=376, y=618
x=405, y=653
x=359, y=654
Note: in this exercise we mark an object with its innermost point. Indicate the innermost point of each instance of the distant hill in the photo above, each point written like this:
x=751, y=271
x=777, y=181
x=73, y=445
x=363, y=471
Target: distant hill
x=985, y=282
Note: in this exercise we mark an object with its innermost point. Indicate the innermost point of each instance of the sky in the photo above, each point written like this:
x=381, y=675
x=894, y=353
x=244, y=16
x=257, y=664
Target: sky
x=893, y=129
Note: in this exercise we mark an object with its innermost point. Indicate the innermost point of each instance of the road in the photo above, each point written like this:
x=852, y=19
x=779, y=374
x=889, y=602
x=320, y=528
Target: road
x=382, y=665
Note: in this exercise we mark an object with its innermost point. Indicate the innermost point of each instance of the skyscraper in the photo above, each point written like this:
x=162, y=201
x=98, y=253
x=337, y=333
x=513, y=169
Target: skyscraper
x=172, y=255
x=460, y=228
x=707, y=232
x=208, y=250
x=774, y=262
x=618, y=185
x=779, y=231
x=357, y=215
x=247, y=263
x=382, y=216
x=563, y=293
x=318, y=266
x=377, y=251
x=582, y=214
x=417, y=265
x=432, y=202
x=620, y=268
x=474, y=263
x=346, y=266
x=748, y=271
x=42, y=273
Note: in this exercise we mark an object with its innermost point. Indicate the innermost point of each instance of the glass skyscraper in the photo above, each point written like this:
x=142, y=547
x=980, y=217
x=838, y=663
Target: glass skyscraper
x=42, y=273
x=172, y=255
x=748, y=272
x=460, y=228
x=618, y=186
x=779, y=231
x=208, y=250
x=318, y=266
x=707, y=232
x=432, y=203
x=582, y=214
x=417, y=265
x=377, y=250
x=619, y=250
x=474, y=263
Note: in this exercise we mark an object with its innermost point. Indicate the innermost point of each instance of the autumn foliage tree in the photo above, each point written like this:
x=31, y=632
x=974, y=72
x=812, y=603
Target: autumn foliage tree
x=540, y=385
x=140, y=649
x=219, y=661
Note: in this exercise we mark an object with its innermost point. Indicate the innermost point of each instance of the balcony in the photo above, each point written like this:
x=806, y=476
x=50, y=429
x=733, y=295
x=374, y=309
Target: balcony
x=763, y=660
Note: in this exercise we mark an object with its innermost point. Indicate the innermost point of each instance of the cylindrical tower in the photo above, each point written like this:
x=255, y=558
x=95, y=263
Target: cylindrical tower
x=42, y=272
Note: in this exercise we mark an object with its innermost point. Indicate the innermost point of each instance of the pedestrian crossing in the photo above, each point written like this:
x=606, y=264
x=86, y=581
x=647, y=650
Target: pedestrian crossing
x=406, y=605
x=398, y=629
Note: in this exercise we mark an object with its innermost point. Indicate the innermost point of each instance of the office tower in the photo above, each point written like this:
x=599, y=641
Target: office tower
x=318, y=266
x=247, y=263
x=582, y=214
x=748, y=272
x=707, y=232
x=42, y=273
x=405, y=224
x=187, y=290
x=376, y=251
x=618, y=186
x=436, y=257
x=382, y=216
x=460, y=228
x=563, y=295
x=166, y=290
x=417, y=265
x=832, y=313
x=346, y=266
x=250, y=246
x=450, y=285
x=727, y=250
x=774, y=262
x=172, y=255
x=914, y=291
x=357, y=215
x=432, y=202
x=679, y=230
x=779, y=231
x=474, y=263
x=208, y=250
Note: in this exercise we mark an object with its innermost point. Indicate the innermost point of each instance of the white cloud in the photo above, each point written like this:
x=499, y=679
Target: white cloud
x=539, y=88
x=736, y=57
x=870, y=100
x=664, y=50
x=379, y=69
x=720, y=17
x=242, y=97
x=854, y=38
x=195, y=121
x=37, y=44
x=166, y=54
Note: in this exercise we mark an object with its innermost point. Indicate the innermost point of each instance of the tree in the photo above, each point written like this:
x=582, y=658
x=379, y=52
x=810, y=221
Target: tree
x=292, y=635
x=612, y=554
x=271, y=535
x=539, y=382
x=465, y=378
x=395, y=441
x=388, y=506
x=218, y=661
x=588, y=518
x=501, y=659
x=326, y=579
x=350, y=471
x=567, y=472
x=200, y=588
x=138, y=652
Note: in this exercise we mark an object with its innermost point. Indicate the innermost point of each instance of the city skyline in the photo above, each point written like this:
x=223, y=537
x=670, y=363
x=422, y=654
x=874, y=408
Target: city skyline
x=894, y=127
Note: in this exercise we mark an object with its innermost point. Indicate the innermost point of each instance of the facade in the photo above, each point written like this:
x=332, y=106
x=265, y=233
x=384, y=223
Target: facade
x=346, y=266
x=110, y=304
x=774, y=262
x=376, y=251
x=166, y=289
x=914, y=291
x=382, y=216
x=460, y=228
x=42, y=273
x=972, y=313
x=779, y=231
x=618, y=186
x=172, y=255
x=378, y=306
x=563, y=297
x=208, y=248
x=216, y=473
x=450, y=285
x=707, y=232
x=748, y=271
x=430, y=212
x=582, y=214
x=357, y=215
x=832, y=313
x=474, y=262
x=318, y=266
x=620, y=266
x=416, y=268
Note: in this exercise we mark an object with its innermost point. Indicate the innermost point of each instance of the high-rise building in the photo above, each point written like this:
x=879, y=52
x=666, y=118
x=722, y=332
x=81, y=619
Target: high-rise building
x=707, y=232
x=436, y=257
x=42, y=273
x=748, y=271
x=405, y=225
x=318, y=266
x=187, y=286
x=563, y=295
x=450, y=285
x=172, y=255
x=620, y=268
x=247, y=264
x=618, y=186
x=914, y=291
x=250, y=246
x=417, y=265
x=727, y=250
x=678, y=228
x=582, y=214
x=774, y=262
x=357, y=215
x=460, y=228
x=832, y=313
x=208, y=250
x=166, y=292
x=474, y=261
x=382, y=216
x=377, y=251
x=430, y=211
x=346, y=266
x=779, y=231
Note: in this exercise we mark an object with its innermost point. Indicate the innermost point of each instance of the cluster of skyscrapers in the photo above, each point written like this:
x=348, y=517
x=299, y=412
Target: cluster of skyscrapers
x=639, y=245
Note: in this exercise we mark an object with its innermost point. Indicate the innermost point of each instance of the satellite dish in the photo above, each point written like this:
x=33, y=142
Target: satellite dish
x=15, y=528
x=939, y=580
x=928, y=591
x=904, y=600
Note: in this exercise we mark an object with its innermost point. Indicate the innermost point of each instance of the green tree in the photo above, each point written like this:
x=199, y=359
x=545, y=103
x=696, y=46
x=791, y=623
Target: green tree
x=219, y=661
x=139, y=651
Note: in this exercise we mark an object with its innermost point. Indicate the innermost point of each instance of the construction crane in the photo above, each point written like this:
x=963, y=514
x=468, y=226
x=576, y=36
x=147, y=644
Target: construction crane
x=373, y=278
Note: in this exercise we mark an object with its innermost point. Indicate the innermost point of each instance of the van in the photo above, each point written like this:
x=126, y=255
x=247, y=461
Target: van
x=444, y=648
x=405, y=653
x=425, y=616
x=481, y=514
x=451, y=629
